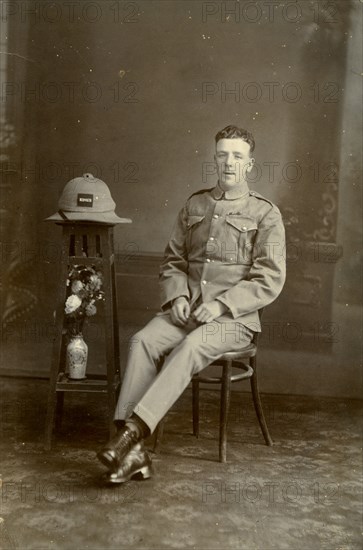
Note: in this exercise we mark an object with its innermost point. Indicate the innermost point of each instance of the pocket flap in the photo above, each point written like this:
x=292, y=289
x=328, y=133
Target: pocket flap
x=192, y=220
x=242, y=223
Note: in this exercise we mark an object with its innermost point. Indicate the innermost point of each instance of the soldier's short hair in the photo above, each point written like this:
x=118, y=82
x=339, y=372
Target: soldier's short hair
x=233, y=132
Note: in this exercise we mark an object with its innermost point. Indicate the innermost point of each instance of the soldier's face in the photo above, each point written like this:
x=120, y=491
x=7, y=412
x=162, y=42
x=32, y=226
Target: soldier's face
x=233, y=161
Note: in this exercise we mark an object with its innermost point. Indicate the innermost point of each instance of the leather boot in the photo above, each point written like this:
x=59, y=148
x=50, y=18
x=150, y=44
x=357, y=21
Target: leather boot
x=117, y=448
x=136, y=463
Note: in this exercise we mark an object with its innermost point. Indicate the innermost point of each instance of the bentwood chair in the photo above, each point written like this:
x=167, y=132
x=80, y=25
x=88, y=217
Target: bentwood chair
x=246, y=361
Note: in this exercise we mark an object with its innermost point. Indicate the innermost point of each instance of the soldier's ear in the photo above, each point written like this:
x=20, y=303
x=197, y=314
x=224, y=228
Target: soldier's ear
x=250, y=164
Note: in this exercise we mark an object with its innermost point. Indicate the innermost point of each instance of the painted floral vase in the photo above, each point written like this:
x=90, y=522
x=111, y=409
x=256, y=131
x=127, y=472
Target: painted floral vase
x=77, y=353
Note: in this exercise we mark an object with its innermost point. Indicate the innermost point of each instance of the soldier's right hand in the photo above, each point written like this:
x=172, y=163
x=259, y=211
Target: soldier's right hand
x=180, y=311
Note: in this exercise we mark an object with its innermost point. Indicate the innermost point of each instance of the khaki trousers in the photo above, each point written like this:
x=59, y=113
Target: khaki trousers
x=150, y=391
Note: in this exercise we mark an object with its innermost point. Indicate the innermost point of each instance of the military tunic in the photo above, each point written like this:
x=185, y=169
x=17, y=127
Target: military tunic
x=228, y=246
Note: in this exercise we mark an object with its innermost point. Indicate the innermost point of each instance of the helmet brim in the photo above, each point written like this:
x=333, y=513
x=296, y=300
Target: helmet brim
x=99, y=217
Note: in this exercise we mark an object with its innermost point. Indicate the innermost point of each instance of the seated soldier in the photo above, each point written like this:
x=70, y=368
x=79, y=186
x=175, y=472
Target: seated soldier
x=224, y=261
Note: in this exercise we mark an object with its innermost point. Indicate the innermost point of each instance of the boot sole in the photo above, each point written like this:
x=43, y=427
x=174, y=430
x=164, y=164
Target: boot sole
x=144, y=473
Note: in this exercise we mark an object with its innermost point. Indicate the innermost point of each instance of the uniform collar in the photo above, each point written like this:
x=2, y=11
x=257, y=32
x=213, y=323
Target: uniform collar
x=234, y=193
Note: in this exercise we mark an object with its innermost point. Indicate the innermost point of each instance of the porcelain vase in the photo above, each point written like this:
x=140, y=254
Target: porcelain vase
x=77, y=353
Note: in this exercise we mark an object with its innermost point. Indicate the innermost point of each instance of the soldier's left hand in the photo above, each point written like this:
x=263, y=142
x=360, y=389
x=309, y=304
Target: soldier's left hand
x=209, y=311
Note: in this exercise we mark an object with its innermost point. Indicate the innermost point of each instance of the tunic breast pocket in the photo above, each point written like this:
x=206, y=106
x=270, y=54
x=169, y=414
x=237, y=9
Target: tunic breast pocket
x=194, y=236
x=242, y=231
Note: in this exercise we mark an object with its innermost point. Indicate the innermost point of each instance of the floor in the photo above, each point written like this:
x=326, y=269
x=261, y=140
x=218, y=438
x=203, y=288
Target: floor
x=304, y=492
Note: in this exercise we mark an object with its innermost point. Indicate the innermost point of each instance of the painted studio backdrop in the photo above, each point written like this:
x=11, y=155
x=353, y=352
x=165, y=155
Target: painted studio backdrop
x=134, y=92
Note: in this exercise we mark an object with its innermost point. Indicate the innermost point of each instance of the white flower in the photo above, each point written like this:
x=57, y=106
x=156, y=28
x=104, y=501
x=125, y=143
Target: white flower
x=77, y=286
x=95, y=282
x=72, y=303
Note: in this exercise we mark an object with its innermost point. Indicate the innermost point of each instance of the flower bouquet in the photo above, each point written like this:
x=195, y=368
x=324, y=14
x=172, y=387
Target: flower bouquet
x=85, y=284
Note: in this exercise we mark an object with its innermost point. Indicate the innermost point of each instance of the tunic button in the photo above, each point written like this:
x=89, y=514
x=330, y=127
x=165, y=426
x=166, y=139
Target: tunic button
x=204, y=282
x=208, y=260
x=215, y=216
x=244, y=228
x=211, y=238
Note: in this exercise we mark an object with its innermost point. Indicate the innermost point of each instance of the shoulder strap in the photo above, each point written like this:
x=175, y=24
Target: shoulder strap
x=260, y=197
x=200, y=192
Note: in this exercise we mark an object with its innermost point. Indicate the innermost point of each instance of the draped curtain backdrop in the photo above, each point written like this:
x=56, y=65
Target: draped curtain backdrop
x=134, y=93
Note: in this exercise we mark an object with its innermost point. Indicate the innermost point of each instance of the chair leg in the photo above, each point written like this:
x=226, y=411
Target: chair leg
x=158, y=435
x=195, y=397
x=258, y=405
x=111, y=411
x=225, y=401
